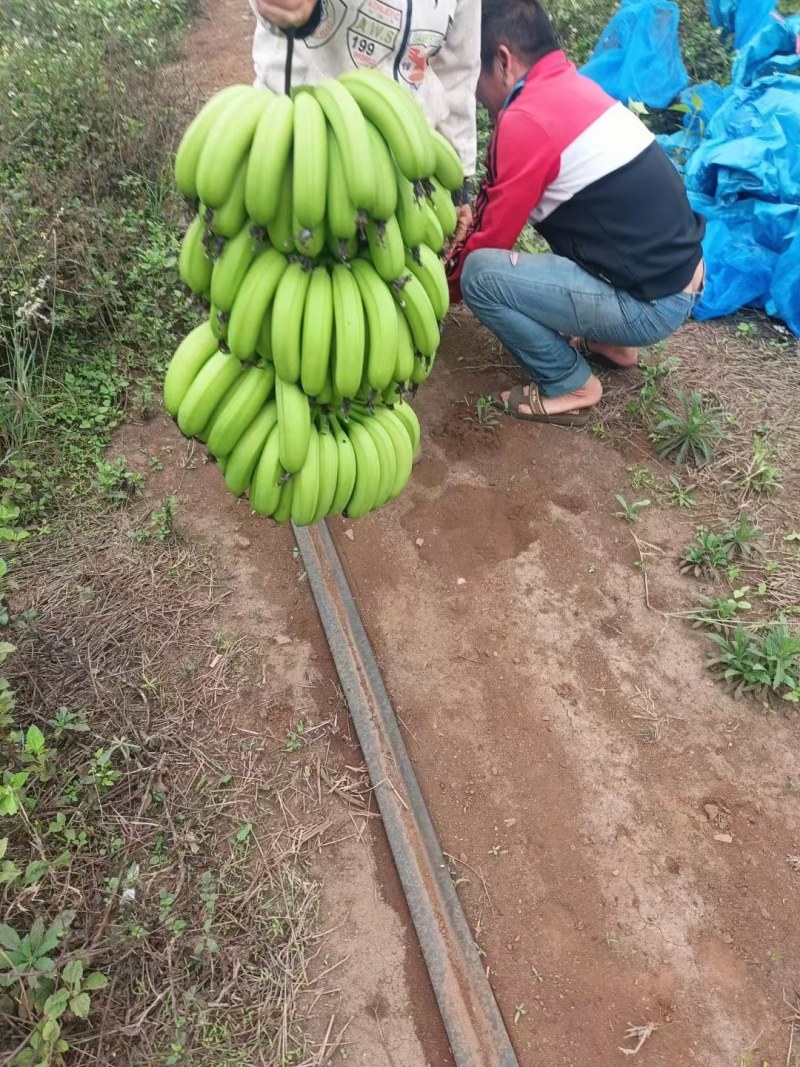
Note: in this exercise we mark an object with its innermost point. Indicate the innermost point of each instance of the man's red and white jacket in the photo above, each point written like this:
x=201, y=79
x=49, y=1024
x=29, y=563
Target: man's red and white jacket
x=593, y=181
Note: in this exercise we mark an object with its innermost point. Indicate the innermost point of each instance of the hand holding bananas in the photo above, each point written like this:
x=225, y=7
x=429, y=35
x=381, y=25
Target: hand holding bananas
x=321, y=217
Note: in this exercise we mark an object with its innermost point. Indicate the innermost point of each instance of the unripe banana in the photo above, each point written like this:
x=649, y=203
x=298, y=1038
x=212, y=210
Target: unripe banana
x=230, y=268
x=349, y=128
x=268, y=160
x=434, y=234
x=418, y=309
x=267, y=482
x=306, y=484
x=309, y=243
x=382, y=323
x=194, y=266
x=345, y=468
x=349, y=332
x=449, y=169
x=279, y=228
x=287, y=319
x=283, y=512
x=206, y=391
x=368, y=472
x=218, y=322
x=387, y=457
x=410, y=214
x=395, y=391
x=423, y=365
x=343, y=251
x=404, y=360
x=227, y=145
x=227, y=221
x=255, y=295
x=310, y=163
x=317, y=333
x=442, y=203
x=237, y=409
x=398, y=118
x=387, y=251
x=403, y=450
x=425, y=265
x=342, y=213
x=194, y=351
x=409, y=419
x=328, y=471
x=385, y=198
x=264, y=345
x=242, y=461
x=294, y=425
x=193, y=140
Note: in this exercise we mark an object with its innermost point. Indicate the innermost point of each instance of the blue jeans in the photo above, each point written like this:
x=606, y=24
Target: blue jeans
x=530, y=301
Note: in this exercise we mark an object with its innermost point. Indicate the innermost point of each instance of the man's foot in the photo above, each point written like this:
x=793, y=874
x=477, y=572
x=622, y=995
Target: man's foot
x=570, y=409
x=609, y=355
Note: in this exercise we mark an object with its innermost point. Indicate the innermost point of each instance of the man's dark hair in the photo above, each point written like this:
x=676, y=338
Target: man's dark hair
x=521, y=25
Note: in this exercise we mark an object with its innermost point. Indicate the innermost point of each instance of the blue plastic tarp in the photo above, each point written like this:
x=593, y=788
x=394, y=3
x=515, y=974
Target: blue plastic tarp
x=775, y=50
x=638, y=56
x=742, y=19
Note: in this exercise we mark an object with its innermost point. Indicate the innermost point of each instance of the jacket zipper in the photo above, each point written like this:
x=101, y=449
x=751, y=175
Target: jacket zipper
x=404, y=42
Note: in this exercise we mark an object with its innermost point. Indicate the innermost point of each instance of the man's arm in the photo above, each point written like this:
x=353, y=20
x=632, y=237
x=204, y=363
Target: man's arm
x=522, y=163
x=457, y=67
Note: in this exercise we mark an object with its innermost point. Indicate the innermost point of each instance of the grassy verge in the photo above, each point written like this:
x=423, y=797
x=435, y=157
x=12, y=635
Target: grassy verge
x=151, y=913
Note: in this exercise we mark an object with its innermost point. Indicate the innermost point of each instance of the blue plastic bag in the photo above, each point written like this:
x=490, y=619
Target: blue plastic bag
x=739, y=270
x=638, y=56
x=775, y=50
x=784, y=296
x=742, y=19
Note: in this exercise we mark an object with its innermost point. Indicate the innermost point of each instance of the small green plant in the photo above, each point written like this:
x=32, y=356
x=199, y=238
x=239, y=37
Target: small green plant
x=143, y=402
x=742, y=538
x=681, y=495
x=688, y=432
x=155, y=464
x=709, y=553
x=295, y=738
x=644, y=478
x=485, y=411
x=760, y=664
x=762, y=475
x=629, y=512
x=722, y=609
x=161, y=523
x=116, y=483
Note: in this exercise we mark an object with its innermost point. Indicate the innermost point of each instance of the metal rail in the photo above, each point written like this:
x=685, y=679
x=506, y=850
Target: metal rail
x=475, y=1028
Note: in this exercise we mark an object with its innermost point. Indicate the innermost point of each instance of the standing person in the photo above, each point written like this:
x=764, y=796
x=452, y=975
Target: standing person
x=626, y=267
x=431, y=47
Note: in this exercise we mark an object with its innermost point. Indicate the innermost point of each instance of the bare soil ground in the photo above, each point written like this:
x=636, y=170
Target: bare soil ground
x=618, y=824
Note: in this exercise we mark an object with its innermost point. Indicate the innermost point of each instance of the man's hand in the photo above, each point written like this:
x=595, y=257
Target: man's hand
x=465, y=220
x=286, y=14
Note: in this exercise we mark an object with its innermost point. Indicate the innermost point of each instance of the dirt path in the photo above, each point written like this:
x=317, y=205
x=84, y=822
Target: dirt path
x=618, y=825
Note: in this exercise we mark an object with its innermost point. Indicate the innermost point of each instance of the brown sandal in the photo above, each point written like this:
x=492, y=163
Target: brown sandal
x=518, y=399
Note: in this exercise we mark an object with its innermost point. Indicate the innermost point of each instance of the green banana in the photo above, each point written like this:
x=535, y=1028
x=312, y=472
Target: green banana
x=243, y=458
x=218, y=322
x=385, y=199
x=306, y=484
x=442, y=203
x=269, y=157
x=345, y=468
x=287, y=318
x=387, y=251
x=279, y=227
x=294, y=425
x=227, y=145
x=398, y=118
x=341, y=250
x=342, y=213
x=352, y=140
x=310, y=162
x=418, y=309
x=387, y=458
x=404, y=360
x=449, y=170
x=434, y=234
x=197, y=132
x=395, y=391
x=349, y=332
x=194, y=351
x=368, y=472
x=237, y=409
x=317, y=334
x=382, y=323
x=425, y=265
x=255, y=295
x=230, y=268
x=283, y=512
x=267, y=482
x=403, y=449
x=423, y=365
x=204, y=394
x=227, y=220
x=264, y=344
x=194, y=266
x=328, y=471
x=410, y=215
x=406, y=414
x=309, y=243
